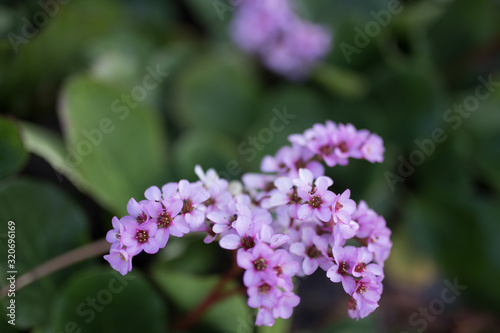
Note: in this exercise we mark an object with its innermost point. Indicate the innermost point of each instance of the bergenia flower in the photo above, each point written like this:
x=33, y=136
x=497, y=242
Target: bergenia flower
x=138, y=237
x=282, y=223
x=120, y=260
x=192, y=196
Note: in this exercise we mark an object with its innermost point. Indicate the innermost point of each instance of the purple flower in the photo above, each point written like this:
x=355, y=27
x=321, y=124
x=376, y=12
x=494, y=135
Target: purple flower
x=285, y=268
x=166, y=216
x=263, y=295
x=192, y=196
x=311, y=249
x=363, y=266
x=138, y=212
x=113, y=236
x=285, y=306
x=138, y=237
x=345, y=260
x=264, y=317
x=317, y=200
x=120, y=260
x=373, y=149
x=251, y=227
x=298, y=51
x=286, y=44
x=343, y=207
x=258, y=265
x=286, y=194
x=288, y=160
x=366, y=294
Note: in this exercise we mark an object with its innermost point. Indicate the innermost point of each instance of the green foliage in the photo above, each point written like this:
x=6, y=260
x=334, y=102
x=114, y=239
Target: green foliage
x=47, y=223
x=12, y=153
x=101, y=300
x=63, y=98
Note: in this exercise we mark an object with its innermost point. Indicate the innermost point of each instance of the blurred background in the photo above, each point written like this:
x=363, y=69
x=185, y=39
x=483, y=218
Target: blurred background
x=101, y=99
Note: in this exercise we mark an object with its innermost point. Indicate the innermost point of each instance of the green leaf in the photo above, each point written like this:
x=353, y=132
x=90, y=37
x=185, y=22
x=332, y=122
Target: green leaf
x=42, y=58
x=12, y=153
x=47, y=224
x=208, y=149
x=187, y=291
x=217, y=93
x=118, y=147
x=342, y=82
x=101, y=300
x=214, y=15
x=50, y=146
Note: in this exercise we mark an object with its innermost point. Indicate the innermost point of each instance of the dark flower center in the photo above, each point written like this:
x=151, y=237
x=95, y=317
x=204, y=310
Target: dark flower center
x=338, y=206
x=313, y=252
x=163, y=220
x=360, y=267
x=361, y=288
x=293, y=196
x=141, y=218
x=260, y=264
x=316, y=201
x=343, y=267
x=247, y=242
x=187, y=206
x=263, y=289
x=142, y=236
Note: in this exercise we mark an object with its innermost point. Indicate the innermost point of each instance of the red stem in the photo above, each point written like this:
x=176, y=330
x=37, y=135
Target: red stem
x=213, y=297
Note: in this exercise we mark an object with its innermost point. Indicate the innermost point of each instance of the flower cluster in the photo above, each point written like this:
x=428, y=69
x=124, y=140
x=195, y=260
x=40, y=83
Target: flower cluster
x=287, y=44
x=283, y=223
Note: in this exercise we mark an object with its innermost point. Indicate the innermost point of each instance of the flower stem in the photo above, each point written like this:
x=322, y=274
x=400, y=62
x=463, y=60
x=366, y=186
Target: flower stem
x=215, y=295
x=96, y=248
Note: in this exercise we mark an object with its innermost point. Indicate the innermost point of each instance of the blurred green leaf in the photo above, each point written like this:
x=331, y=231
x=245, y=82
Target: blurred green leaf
x=47, y=223
x=208, y=149
x=118, y=146
x=187, y=291
x=217, y=93
x=12, y=153
x=101, y=300
x=214, y=15
x=49, y=146
x=56, y=49
x=342, y=82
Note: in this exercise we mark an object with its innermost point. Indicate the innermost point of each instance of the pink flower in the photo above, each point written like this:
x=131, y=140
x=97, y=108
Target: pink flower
x=264, y=317
x=365, y=294
x=373, y=149
x=120, y=260
x=345, y=260
x=258, y=264
x=288, y=160
x=192, y=196
x=166, y=216
x=113, y=236
x=263, y=295
x=317, y=200
x=286, y=194
x=363, y=266
x=311, y=249
x=285, y=306
x=138, y=237
x=285, y=268
x=251, y=227
x=138, y=212
x=343, y=207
